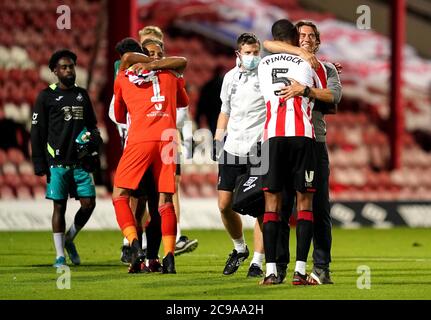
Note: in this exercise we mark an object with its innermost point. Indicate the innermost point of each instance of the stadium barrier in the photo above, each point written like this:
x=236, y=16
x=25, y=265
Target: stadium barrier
x=36, y=215
x=204, y=214
x=381, y=214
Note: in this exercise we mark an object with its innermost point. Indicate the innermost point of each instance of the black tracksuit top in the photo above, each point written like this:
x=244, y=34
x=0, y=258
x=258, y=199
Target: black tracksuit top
x=58, y=117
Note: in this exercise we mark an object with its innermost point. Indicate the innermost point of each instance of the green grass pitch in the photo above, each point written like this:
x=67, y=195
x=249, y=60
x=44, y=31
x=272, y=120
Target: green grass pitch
x=399, y=261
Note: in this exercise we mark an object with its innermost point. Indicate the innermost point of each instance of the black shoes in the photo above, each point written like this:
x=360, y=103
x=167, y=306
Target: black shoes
x=300, y=279
x=320, y=276
x=168, y=264
x=154, y=265
x=137, y=262
x=254, y=271
x=269, y=280
x=234, y=261
x=281, y=271
x=126, y=255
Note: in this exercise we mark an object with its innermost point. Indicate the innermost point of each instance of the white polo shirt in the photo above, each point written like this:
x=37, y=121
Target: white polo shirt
x=243, y=102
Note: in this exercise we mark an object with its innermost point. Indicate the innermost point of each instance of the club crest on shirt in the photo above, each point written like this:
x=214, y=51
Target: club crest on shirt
x=79, y=97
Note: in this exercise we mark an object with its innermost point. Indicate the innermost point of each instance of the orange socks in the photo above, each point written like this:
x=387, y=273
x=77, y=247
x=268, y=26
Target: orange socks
x=169, y=227
x=125, y=218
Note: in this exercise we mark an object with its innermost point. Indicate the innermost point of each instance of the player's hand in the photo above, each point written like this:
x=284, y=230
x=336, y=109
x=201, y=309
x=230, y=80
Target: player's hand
x=40, y=169
x=338, y=66
x=140, y=67
x=310, y=58
x=217, y=150
x=295, y=89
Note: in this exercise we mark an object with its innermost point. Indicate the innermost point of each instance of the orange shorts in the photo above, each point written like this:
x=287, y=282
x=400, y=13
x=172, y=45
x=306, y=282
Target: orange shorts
x=137, y=159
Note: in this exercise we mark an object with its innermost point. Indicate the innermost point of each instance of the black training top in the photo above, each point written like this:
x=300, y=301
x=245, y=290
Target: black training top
x=58, y=117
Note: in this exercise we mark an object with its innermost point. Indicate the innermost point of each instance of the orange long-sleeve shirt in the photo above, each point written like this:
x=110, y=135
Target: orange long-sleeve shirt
x=151, y=106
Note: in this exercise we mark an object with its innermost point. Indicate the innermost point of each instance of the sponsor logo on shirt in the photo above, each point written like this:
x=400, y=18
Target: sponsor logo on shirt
x=73, y=112
x=34, y=118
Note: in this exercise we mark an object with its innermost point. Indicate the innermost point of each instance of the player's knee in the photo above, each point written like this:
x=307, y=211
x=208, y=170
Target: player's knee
x=120, y=192
x=88, y=205
x=165, y=198
x=59, y=207
x=225, y=209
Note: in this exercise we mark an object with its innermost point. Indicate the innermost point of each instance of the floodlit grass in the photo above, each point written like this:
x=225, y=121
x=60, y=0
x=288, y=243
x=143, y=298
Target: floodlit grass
x=399, y=261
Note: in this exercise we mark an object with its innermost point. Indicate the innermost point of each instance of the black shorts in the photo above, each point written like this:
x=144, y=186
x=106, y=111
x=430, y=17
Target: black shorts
x=229, y=169
x=291, y=163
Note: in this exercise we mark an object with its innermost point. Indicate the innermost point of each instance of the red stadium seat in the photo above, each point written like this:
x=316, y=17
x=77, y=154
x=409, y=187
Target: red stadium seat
x=197, y=178
x=6, y=193
x=23, y=193
x=212, y=178
x=208, y=190
x=3, y=157
x=15, y=156
x=191, y=190
x=38, y=192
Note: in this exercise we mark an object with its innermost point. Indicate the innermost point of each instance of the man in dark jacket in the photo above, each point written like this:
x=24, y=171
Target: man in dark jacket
x=64, y=141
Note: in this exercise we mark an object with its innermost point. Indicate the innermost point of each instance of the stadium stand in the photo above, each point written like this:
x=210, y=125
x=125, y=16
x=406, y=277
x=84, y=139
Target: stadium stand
x=357, y=140
x=357, y=136
x=25, y=48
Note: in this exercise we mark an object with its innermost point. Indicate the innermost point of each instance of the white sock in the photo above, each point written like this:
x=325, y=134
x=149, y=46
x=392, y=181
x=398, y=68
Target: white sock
x=271, y=268
x=59, y=244
x=125, y=242
x=178, y=232
x=239, y=244
x=73, y=231
x=258, y=259
x=300, y=267
x=144, y=240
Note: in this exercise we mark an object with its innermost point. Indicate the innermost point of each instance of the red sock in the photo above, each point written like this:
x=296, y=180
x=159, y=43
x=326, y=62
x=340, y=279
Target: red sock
x=306, y=215
x=271, y=216
x=169, y=227
x=125, y=218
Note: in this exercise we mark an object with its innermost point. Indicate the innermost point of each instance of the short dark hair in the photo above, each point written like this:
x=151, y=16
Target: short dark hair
x=128, y=45
x=56, y=56
x=284, y=30
x=247, y=38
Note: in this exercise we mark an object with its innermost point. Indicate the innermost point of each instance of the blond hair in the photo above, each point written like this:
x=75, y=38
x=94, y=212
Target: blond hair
x=150, y=32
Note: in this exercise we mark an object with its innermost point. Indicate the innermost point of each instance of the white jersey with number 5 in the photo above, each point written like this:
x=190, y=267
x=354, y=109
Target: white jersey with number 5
x=290, y=118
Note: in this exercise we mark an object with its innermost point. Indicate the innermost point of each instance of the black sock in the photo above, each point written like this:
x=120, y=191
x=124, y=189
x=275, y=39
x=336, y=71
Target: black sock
x=304, y=234
x=154, y=236
x=271, y=225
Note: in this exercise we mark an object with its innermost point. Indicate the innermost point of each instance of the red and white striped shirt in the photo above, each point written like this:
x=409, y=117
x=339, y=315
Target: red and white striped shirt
x=290, y=118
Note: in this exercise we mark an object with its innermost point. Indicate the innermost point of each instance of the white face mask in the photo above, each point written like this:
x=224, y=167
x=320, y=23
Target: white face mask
x=250, y=62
